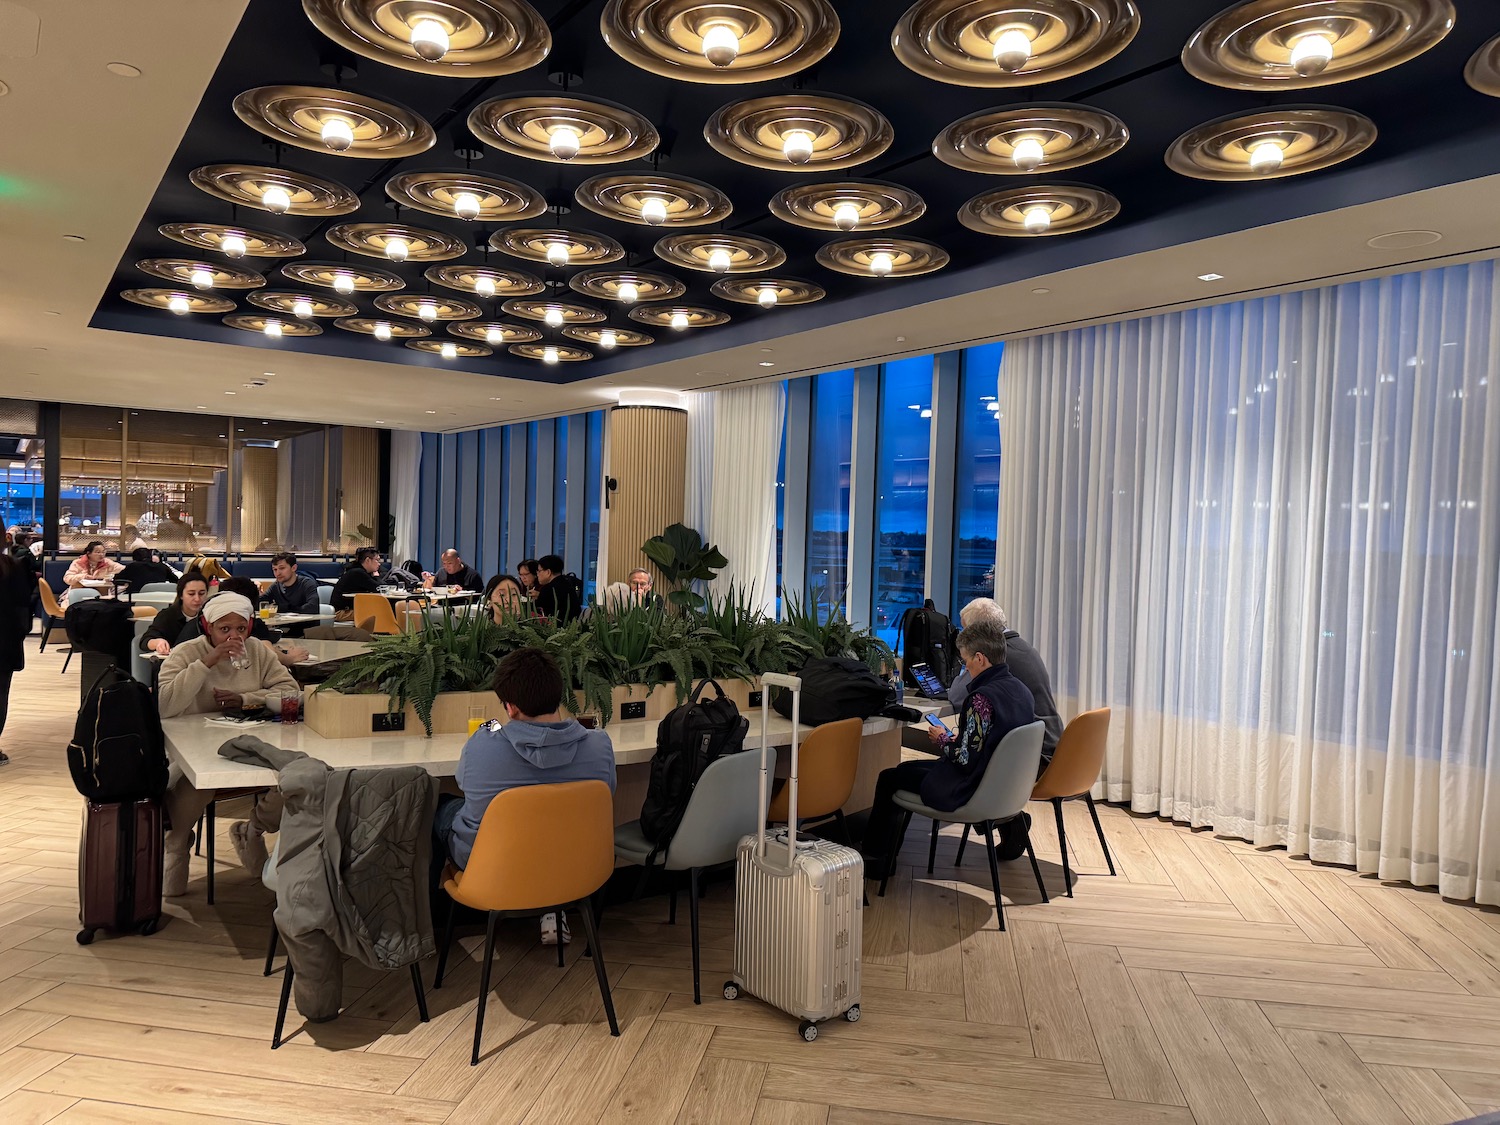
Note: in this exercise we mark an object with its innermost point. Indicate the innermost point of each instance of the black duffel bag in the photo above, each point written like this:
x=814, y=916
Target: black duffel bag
x=104, y=625
x=834, y=689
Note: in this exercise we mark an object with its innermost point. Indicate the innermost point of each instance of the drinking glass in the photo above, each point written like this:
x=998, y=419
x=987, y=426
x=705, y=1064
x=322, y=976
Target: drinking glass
x=291, y=706
x=476, y=718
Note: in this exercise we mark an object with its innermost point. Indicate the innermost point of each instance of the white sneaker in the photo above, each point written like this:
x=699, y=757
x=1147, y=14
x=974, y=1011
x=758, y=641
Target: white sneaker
x=249, y=845
x=549, y=930
x=174, y=875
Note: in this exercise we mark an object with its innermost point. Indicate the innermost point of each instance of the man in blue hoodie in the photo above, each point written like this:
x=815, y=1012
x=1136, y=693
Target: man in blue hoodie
x=537, y=746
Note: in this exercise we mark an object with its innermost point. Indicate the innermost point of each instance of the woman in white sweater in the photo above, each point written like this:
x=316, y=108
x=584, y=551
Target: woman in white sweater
x=221, y=670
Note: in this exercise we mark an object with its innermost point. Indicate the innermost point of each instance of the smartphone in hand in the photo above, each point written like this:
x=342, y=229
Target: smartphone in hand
x=933, y=720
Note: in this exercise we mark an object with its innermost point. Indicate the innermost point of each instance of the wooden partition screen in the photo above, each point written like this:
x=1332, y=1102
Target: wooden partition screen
x=648, y=457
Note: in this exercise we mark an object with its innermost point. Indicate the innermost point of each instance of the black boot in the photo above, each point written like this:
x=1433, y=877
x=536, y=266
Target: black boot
x=1012, y=843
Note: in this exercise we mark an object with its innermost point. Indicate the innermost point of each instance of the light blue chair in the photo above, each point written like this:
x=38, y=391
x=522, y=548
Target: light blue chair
x=158, y=588
x=140, y=667
x=724, y=808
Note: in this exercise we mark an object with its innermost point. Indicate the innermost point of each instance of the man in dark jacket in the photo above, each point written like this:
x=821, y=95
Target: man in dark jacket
x=453, y=571
x=1025, y=664
x=292, y=592
x=558, y=595
x=143, y=569
x=997, y=704
x=358, y=579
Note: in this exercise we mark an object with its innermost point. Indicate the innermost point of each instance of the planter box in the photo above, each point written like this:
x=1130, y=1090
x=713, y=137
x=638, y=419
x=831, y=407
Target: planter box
x=739, y=691
x=336, y=715
x=659, y=700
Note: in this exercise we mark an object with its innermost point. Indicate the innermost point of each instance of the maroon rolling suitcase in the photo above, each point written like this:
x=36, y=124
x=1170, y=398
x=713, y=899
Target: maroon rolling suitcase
x=119, y=868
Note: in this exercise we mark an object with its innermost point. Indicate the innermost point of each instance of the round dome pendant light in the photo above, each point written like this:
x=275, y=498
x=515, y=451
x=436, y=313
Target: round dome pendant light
x=552, y=353
x=1033, y=211
x=554, y=314
x=273, y=326
x=337, y=121
x=653, y=199
x=720, y=253
x=178, y=300
x=451, y=38
x=703, y=41
x=1295, y=44
x=428, y=307
x=495, y=333
x=200, y=275
x=1037, y=137
x=799, y=132
x=468, y=195
x=767, y=292
x=627, y=285
x=342, y=277
x=233, y=241
x=880, y=256
x=278, y=190
x=563, y=129
x=679, y=317
x=847, y=205
x=382, y=330
x=451, y=349
x=556, y=246
x=395, y=242
x=301, y=305
x=1271, y=143
x=1483, y=70
x=998, y=43
x=608, y=338
x=485, y=281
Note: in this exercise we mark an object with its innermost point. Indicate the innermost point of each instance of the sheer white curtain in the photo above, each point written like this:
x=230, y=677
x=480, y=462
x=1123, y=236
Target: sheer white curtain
x=1267, y=535
x=698, y=497
x=406, y=483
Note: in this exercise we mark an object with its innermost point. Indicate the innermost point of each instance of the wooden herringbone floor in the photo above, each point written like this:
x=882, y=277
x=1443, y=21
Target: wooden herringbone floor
x=1209, y=982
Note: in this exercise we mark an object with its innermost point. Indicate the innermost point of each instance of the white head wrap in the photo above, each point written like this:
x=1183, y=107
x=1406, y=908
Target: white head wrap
x=222, y=604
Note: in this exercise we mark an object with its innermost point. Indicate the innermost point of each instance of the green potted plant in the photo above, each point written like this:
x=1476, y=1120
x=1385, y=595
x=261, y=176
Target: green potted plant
x=682, y=558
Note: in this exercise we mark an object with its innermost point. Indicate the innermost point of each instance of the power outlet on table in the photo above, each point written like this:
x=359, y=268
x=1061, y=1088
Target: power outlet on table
x=755, y=698
x=632, y=710
x=385, y=723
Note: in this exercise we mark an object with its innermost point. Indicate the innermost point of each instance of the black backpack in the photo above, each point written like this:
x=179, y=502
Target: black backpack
x=687, y=741
x=104, y=625
x=568, y=597
x=834, y=689
x=927, y=637
x=118, y=752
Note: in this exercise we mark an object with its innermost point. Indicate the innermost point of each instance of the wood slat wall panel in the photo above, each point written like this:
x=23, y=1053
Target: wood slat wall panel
x=648, y=456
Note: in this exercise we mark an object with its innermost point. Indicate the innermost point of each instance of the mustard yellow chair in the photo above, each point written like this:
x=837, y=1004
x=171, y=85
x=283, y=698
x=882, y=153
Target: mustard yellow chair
x=540, y=848
x=826, y=765
x=373, y=613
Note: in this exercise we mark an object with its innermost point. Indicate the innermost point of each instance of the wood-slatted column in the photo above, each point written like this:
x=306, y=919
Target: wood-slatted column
x=648, y=457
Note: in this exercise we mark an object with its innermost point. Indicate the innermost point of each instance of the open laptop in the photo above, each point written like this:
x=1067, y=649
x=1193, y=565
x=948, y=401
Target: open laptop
x=927, y=683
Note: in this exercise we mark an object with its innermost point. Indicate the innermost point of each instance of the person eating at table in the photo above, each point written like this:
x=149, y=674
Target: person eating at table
x=453, y=571
x=179, y=621
x=220, y=671
x=89, y=567
x=359, y=578
x=505, y=599
x=526, y=572
x=143, y=568
x=292, y=592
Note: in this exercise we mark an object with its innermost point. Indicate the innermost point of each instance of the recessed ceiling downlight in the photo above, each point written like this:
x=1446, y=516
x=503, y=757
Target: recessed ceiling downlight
x=1404, y=239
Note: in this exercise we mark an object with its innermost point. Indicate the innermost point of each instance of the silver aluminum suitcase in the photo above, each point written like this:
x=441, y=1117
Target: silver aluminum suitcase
x=798, y=907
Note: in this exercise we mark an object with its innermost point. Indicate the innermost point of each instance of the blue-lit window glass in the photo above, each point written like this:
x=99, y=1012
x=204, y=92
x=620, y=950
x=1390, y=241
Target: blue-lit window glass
x=976, y=487
x=781, y=504
x=594, y=468
x=531, y=490
x=560, y=542
x=828, y=488
x=903, y=442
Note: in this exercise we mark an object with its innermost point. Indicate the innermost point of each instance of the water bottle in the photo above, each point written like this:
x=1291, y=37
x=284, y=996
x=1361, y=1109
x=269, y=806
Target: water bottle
x=898, y=687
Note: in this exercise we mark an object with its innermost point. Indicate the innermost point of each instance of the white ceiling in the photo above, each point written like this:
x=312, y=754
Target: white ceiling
x=84, y=149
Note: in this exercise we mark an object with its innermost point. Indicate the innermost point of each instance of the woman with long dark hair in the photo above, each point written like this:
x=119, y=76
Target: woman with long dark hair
x=178, y=623
x=15, y=623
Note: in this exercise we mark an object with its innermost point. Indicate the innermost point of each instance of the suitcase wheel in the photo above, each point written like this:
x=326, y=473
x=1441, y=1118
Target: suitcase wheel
x=731, y=990
x=148, y=927
x=808, y=1030
x=852, y=1015
x=85, y=936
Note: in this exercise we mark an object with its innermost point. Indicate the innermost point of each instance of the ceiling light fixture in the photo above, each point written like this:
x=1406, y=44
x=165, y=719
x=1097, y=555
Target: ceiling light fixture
x=767, y=292
x=549, y=354
x=178, y=304
x=1210, y=277
x=812, y=132
x=564, y=141
x=466, y=205
x=202, y=278
x=1284, y=140
x=449, y=350
x=382, y=331
x=553, y=318
x=1011, y=49
x=719, y=260
x=343, y=282
x=881, y=263
x=233, y=245
x=273, y=329
x=679, y=320
x=607, y=338
x=397, y=249
x=1018, y=139
x=654, y=210
x=767, y=298
x=337, y=134
x=628, y=292
x=494, y=335
x=1311, y=54
x=276, y=199
x=1266, y=156
x=797, y=145
x=484, y=285
x=427, y=311
x=846, y=216
x=880, y=256
x=1027, y=154
x=721, y=45
x=302, y=308
x=557, y=254
x=430, y=39
x=1037, y=219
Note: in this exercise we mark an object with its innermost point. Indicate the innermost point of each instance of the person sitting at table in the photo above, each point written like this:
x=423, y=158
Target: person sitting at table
x=359, y=578
x=997, y=704
x=538, y=746
x=179, y=621
x=526, y=572
x=292, y=592
x=640, y=586
x=259, y=630
x=91, y=566
x=219, y=671
x=453, y=571
x=558, y=596
x=505, y=599
x=142, y=569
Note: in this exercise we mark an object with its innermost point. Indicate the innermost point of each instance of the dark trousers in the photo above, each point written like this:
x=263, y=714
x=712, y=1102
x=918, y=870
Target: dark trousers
x=4, y=698
x=879, y=849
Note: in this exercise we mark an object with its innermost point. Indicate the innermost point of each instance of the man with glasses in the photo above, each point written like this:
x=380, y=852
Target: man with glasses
x=997, y=704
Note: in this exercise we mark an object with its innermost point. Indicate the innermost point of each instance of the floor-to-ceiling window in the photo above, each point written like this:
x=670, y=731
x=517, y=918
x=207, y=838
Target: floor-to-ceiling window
x=592, y=491
x=780, y=515
x=903, y=444
x=828, y=487
x=560, y=542
x=976, y=493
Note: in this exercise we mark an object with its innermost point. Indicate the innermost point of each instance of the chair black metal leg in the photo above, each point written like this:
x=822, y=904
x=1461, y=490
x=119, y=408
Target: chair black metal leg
x=989, y=848
x=1099, y=828
x=838, y=816
x=286, y=996
x=898, y=835
x=963, y=842
x=484, y=986
x=198, y=834
x=932, y=848
x=209, y=831
x=1035, y=867
x=416, y=983
x=442, y=965
x=693, y=921
x=593, y=935
x=271, y=952
x=1062, y=843
x=46, y=632
x=561, y=919
x=68, y=658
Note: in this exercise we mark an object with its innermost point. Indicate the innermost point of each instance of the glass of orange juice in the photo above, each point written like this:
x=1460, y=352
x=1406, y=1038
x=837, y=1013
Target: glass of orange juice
x=476, y=718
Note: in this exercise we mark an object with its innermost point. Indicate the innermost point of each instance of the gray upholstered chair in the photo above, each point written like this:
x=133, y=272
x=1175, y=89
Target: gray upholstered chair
x=723, y=809
x=1001, y=796
x=159, y=588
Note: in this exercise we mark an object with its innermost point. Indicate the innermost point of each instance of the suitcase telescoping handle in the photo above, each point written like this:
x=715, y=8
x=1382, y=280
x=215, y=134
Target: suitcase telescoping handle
x=794, y=685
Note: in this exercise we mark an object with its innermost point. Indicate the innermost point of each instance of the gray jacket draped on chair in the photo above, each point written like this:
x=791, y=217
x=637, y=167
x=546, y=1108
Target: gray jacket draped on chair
x=352, y=864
